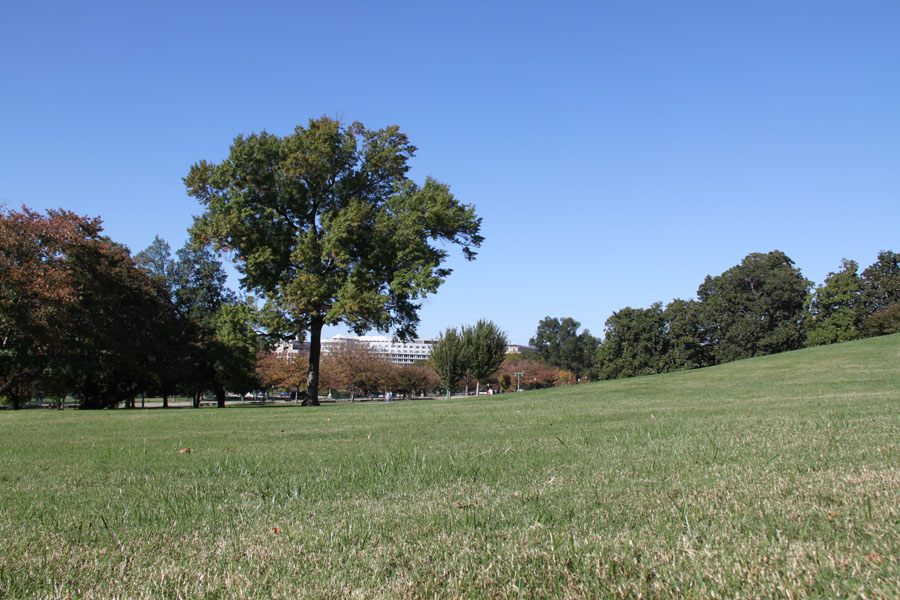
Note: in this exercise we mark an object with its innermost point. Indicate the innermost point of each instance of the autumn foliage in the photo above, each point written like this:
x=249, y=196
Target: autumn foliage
x=356, y=368
x=76, y=314
x=38, y=292
x=282, y=370
x=533, y=374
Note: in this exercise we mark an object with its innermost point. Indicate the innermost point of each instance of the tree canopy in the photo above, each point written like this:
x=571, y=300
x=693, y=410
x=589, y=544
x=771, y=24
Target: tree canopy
x=882, y=282
x=635, y=343
x=684, y=326
x=560, y=345
x=37, y=291
x=326, y=226
x=754, y=308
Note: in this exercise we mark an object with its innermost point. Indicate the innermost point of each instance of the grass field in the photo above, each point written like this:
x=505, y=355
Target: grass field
x=772, y=477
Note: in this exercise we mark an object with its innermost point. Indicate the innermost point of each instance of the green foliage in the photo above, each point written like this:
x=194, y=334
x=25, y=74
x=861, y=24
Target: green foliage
x=118, y=333
x=754, y=308
x=114, y=338
x=449, y=358
x=883, y=322
x=684, y=327
x=327, y=228
x=238, y=343
x=157, y=259
x=200, y=285
x=225, y=340
x=835, y=309
x=560, y=345
x=882, y=282
x=635, y=343
x=485, y=350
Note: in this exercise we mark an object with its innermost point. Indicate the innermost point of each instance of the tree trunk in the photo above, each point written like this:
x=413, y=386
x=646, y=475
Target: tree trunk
x=477, y=388
x=220, y=395
x=196, y=400
x=165, y=401
x=315, y=348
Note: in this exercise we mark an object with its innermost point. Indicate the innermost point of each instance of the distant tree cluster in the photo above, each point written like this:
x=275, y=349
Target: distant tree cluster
x=349, y=367
x=471, y=352
x=762, y=306
x=560, y=345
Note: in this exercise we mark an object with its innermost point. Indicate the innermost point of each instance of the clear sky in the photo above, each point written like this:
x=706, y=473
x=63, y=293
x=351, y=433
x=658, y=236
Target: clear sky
x=618, y=152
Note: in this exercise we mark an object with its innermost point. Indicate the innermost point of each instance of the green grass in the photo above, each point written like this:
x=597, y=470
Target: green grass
x=773, y=477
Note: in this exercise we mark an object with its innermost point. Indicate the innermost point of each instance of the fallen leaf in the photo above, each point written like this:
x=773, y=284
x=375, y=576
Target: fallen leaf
x=185, y=451
x=276, y=530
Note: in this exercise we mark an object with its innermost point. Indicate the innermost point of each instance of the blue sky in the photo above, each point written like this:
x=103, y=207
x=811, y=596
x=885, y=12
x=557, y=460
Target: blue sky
x=617, y=152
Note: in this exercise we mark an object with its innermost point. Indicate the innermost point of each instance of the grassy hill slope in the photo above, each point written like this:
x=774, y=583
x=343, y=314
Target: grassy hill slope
x=777, y=476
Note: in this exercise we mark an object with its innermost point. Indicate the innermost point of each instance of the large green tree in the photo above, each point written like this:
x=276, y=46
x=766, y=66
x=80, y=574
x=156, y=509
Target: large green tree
x=559, y=344
x=754, y=308
x=485, y=350
x=327, y=227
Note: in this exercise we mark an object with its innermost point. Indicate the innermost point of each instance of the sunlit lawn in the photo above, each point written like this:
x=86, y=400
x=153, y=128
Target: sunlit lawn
x=772, y=477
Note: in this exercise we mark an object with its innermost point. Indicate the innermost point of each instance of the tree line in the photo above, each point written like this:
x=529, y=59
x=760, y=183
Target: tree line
x=761, y=306
x=325, y=228
x=471, y=354
x=354, y=369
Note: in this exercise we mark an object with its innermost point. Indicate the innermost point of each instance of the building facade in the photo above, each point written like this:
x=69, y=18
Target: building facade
x=398, y=352
x=395, y=350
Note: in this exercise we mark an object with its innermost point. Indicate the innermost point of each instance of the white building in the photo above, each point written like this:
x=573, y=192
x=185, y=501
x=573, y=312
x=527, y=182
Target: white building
x=399, y=352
